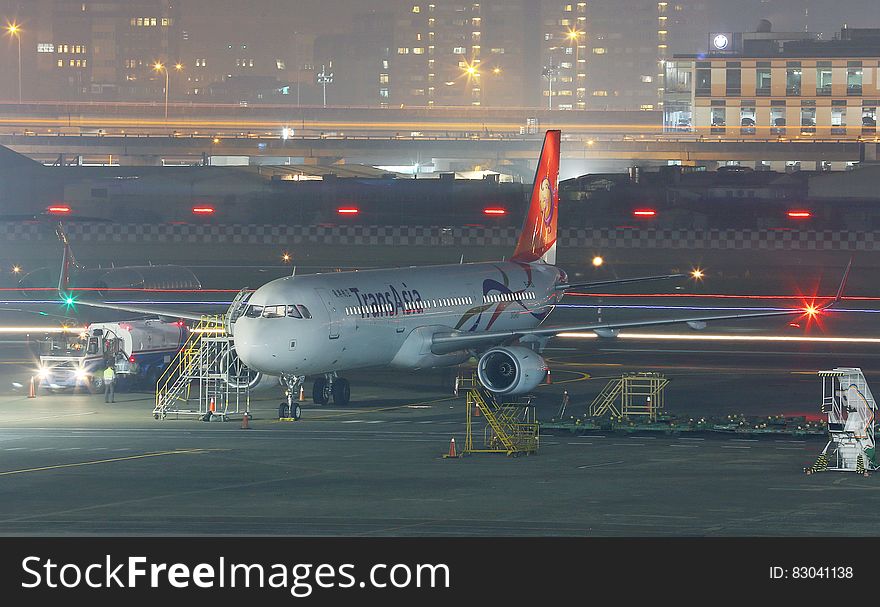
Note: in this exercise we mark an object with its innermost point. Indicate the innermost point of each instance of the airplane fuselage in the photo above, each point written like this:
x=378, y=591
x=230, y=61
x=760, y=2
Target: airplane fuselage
x=380, y=318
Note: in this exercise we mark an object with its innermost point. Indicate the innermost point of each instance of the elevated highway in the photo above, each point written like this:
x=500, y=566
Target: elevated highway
x=445, y=153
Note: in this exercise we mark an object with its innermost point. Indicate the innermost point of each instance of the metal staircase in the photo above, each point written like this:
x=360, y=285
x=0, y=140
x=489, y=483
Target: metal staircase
x=510, y=428
x=631, y=394
x=205, y=373
x=851, y=410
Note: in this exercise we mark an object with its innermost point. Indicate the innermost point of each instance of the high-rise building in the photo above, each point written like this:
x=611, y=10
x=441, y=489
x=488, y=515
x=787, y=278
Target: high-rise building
x=105, y=49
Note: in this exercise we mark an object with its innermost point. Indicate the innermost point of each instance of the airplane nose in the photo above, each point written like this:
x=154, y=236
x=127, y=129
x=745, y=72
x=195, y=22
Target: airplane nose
x=253, y=347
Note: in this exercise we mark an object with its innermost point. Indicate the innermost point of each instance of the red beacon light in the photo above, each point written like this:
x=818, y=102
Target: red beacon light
x=131, y=359
x=496, y=211
x=203, y=210
x=348, y=210
x=59, y=209
x=644, y=213
x=800, y=214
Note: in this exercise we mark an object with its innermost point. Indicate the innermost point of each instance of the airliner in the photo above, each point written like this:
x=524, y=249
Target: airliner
x=322, y=325
x=113, y=278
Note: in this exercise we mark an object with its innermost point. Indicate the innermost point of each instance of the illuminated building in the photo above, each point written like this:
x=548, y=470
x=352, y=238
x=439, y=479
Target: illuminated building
x=767, y=85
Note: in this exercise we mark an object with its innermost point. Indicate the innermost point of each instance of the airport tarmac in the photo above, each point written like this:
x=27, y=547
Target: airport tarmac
x=71, y=464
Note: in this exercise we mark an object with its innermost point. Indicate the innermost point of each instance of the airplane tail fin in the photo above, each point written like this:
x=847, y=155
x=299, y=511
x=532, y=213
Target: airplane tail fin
x=537, y=241
x=67, y=260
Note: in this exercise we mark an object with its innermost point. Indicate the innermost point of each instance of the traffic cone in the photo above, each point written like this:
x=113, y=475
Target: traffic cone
x=452, y=452
x=302, y=394
x=476, y=410
x=549, y=377
x=211, y=408
x=245, y=422
x=32, y=391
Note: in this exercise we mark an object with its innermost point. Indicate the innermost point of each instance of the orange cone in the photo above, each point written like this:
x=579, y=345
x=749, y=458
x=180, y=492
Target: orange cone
x=476, y=410
x=245, y=421
x=32, y=392
x=302, y=394
x=452, y=448
x=549, y=378
x=211, y=408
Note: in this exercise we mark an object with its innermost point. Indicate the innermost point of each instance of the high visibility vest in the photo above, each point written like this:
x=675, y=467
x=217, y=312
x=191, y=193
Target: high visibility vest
x=109, y=374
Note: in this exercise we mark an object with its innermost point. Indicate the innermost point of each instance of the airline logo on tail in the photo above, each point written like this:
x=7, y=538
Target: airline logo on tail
x=537, y=241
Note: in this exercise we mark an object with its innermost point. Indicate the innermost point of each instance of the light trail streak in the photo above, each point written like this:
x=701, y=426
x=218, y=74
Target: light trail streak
x=72, y=330
x=721, y=337
x=710, y=308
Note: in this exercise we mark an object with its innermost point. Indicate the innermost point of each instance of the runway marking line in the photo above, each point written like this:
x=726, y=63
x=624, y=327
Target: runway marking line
x=377, y=410
x=33, y=419
x=600, y=465
x=110, y=461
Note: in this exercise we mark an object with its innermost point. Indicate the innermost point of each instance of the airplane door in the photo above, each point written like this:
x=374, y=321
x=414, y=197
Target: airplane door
x=333, y=313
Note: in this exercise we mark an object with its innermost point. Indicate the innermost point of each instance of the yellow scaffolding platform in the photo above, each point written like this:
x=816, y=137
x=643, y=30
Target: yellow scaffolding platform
x=509, y=428
x=631, y=395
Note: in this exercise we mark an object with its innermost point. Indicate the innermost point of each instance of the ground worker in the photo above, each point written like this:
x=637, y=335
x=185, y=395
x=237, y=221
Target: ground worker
x=109, y=384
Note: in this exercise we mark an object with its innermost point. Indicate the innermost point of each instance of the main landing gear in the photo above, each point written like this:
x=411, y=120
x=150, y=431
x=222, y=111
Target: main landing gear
x=290, y=409
x=331, y=386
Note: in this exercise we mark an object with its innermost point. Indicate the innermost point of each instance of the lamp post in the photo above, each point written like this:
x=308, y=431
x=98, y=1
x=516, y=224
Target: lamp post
x=160, y=67
x=15, y=30
x=575, y=36
x=550, y=74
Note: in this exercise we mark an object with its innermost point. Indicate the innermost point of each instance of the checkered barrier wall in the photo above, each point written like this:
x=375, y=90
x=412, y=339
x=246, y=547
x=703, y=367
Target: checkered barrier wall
x=606, y=238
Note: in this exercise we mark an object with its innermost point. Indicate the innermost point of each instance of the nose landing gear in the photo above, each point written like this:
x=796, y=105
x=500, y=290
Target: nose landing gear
x=290, y=409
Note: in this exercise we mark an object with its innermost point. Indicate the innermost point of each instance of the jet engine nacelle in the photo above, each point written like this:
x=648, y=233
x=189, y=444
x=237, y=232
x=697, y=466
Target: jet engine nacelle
x=241, y=377
x=511, y=370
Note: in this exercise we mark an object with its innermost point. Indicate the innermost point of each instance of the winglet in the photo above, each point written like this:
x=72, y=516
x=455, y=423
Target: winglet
x=842, y=286
x=67, y=261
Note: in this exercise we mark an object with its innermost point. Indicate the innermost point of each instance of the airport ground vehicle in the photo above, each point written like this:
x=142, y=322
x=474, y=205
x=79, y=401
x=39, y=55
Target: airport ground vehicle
x=138, y=349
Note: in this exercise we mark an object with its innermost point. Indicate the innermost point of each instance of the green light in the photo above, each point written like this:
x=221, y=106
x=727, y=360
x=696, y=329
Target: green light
x=69, y=301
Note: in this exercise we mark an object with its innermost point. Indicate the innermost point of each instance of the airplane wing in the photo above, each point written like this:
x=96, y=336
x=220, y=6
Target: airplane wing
x=443, y=343
x=617, y=281
x=163, y=311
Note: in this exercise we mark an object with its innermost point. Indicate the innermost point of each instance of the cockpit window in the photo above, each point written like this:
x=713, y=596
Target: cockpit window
x=254, y=311
x=293, y=312
x=304, y=311
x=274, y=311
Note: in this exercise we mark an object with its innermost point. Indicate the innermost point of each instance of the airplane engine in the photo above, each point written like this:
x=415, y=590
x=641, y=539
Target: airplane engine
x=511, y=370
x=240, y=376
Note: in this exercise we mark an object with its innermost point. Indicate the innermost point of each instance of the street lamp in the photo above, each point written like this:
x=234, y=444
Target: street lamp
x=575, y=37
x=160, y=67
x=549, y=72
x=14, y=29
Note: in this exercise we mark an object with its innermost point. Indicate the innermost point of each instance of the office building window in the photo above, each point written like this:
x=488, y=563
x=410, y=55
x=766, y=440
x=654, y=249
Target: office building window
x=793, y=81
x=734, y=82
x=808, y=120
x=869, y=119
x=704, y=83
x=777, y=120
x=718, y=119
x=838, y=119
x=747, y=119
x=854, y=78
x=762, y=82
x=823, y=78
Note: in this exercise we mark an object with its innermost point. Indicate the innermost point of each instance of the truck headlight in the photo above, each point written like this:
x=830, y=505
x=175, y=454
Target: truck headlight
x=80, y=375
x=43, y=373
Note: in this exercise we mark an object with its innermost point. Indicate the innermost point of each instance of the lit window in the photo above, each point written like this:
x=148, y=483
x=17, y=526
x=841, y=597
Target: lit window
x=403, y=50
x=600, y=93
x=417, y=9
x=600, y=50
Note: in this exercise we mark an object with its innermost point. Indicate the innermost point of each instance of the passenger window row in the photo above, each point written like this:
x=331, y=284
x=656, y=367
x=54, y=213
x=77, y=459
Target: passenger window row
x=517, y=296
x=292, y=311
x=408, y=306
